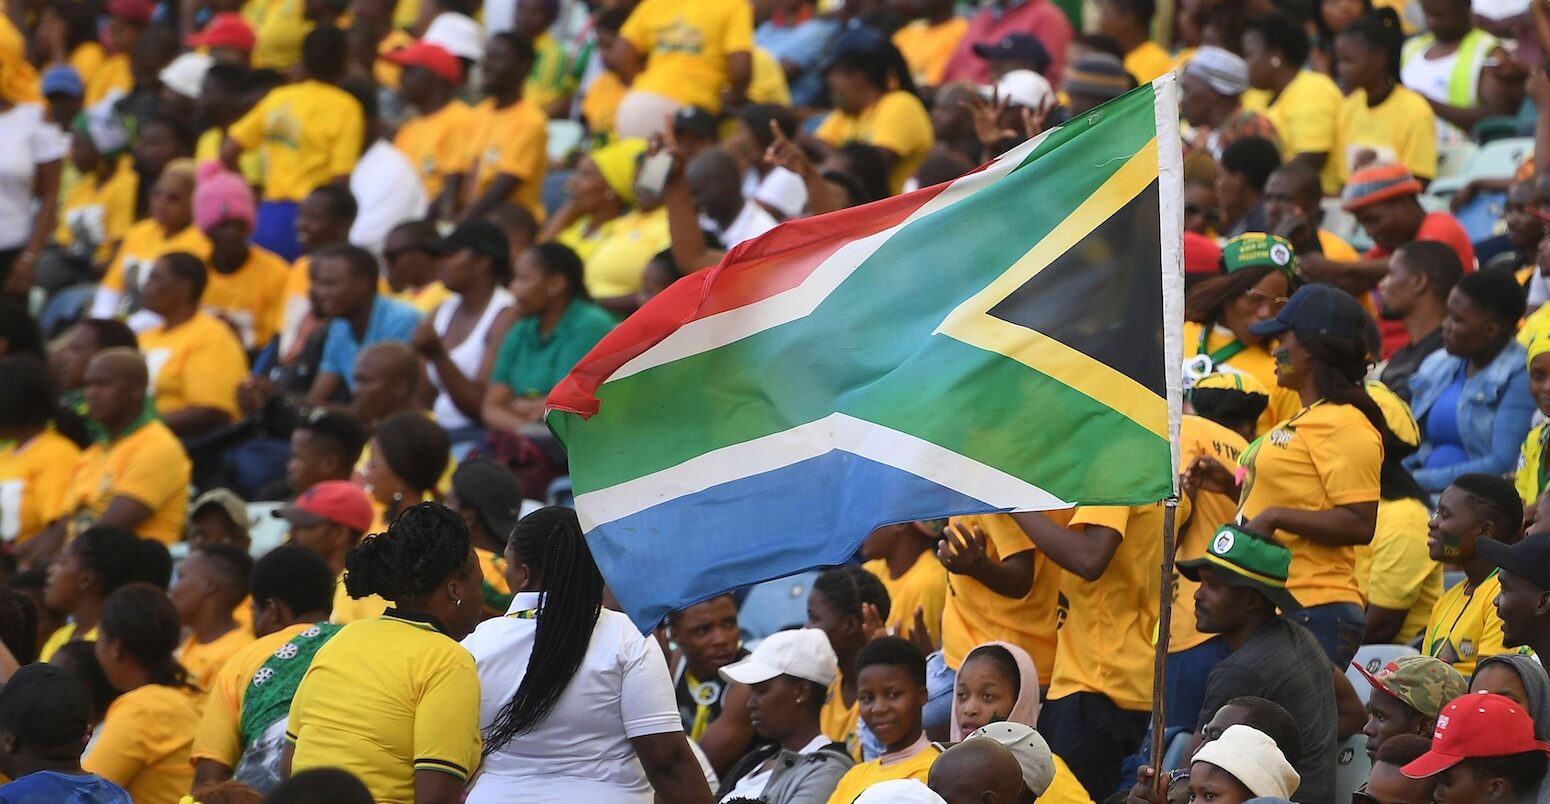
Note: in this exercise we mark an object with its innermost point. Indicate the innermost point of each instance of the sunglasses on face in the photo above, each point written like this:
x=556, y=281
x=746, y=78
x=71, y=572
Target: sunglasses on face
x=1210, y=213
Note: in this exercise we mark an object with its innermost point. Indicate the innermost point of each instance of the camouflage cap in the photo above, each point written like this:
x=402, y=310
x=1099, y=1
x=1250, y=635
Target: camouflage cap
x=1424, y=683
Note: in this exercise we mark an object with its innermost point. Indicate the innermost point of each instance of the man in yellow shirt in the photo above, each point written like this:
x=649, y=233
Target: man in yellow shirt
x=695, y=53
x=126, y=20
x=136, y=475
x=1129, y=22
x=292, y=591
x=901, y=556
x=280, y=28
x=434, y=138
x=246, y=283
x=507, y=138
x=211, y=583
x=35, y=461
x=1465, y=626
x=310, y=134
x=929, y=42
x=195, y=359
x=329, y=519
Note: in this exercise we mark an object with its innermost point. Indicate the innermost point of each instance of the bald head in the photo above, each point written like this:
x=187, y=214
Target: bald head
x=115, y=388
x=122, y=364
x=977, y=770
x=716, y=184
x=386, y=375
x=396, y=358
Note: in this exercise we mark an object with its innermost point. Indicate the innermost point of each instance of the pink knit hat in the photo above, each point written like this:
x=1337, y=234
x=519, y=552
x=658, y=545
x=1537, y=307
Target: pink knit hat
x=221, y=196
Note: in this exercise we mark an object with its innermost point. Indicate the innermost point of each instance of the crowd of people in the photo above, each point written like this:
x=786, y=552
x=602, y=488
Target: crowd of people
x=325, y=259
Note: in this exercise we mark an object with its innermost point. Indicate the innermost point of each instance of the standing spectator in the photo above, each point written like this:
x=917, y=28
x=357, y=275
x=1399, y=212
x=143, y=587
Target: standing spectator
x=35, y=460
x=1421, y=276
x=544, y=668
x=410, y=728
x=715, y=714
x=875, y=103
x=1240, y=186
x=195, y=359
x=1210, y=97
x=1471, y=397
x=169, y=228
x=44, y=717
x=246, y=283
x=1129, y=22
x=1381, y=121
x=800, y=40
x=212, y=582
x=1484, y=750
x=345, y=279
x=329, y=519
x=697, y=53
x=1465, y=626
x=1463, y=71
x=1408, y=694
x=903, y=557
x=93, y=566
x=1304, y=106
x=384, y=182
x=432, y=138
x=507, y=142
x=993, y=23
x=716, y=186
x=322, y=129
x=1524, y=586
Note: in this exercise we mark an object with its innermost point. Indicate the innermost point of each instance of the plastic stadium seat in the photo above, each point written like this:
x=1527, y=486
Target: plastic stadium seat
x=1173, y=756
x=1498, y=159
x=775, y=606
x=1373, y=658
x=1453, y=160
x=1351, y=766
x=564, y=138
x=266, y=531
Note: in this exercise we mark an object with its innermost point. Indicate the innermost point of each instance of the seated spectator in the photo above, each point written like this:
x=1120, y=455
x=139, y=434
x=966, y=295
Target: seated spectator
x=800, y=40
x=137, y=475
x=928, y=41
x=410, y=728
x=996, y=685
x=1465, y=626
x=345, y=280
x=717, y=190
x=68, y=364
x=538, y=689
x=505, y=153
x=461, y=339
x=1129, y=22
x=162, y=143
x=384, y=183
x=321, y=784
x=387, y=381
x=432, y=137
x=1521, y=602
x=228, y=38
x=1093, y=80
x=246, y=283
x=145, y=739
x=96, y=212
x=838, y=604
x=1415, y=290
x=1042, y=774
x=1386, y=784
x=714, y=714
x=196, y=361
x=241, y=736
x=1464, y=72
x=674, y=76
x=557, y=325
x=1201, y=214
x=1484, y=750
x=1240, y=186
x=1304, y=106
x=1409, y=692
x=1257, y=713
x=903, y=557
x=1015, y=51
x=93, y=566
x=44, y=717
x=329, y=519
x=405, y=461
x=212, y=582
x=324, y=446
x=169, y=228
x=601, y=96
x=1240, y=765
x=1292, y=210
x=551, y=81
x=993, y=23
x=600, y=190
x=35, y=460
x=1381, y=122
x=1210, y=97
x=323, y=219
x=891, y=688
x=1516, y=249
x=1472, y=397
x=1531, y=475
x=1520, y=678
x=488, y=497
x=219, y=516
x=788, y=678
x=977, y=771
x=614, y=267
x=409, y=267
x=875, y=103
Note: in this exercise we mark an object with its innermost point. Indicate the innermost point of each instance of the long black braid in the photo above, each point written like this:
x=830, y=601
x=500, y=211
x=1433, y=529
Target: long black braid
x=140, y=618
x=848, y=587
x=549, y=541
x=424, y=545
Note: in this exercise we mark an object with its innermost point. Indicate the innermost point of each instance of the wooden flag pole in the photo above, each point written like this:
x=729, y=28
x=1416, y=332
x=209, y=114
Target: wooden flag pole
x=1160, y=659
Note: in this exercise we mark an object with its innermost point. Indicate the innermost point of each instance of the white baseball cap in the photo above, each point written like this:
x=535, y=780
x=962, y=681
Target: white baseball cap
x=186, y=74
x=1024, y=88
x=1253, y=758
x=1032, y=752
x=458, y=34
x=801, y=652
x=899, y=791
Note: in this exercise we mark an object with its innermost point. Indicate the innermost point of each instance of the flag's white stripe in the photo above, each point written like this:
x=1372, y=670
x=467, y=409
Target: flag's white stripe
x=1170, y=178
x=715, y=331
x=836, y=431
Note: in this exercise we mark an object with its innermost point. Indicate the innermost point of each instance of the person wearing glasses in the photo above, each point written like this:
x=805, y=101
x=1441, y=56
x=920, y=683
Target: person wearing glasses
x=1258, y=274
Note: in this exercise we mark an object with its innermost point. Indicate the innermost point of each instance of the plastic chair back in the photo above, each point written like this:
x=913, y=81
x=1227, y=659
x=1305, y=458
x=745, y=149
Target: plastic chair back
x=1373, y=658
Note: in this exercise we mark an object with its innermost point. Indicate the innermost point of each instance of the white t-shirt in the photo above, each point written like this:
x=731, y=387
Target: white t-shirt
x=749, y=223
x=388, y=191
x=780, y=189
x=29, y=141
x=752, y=785
x=581, y=751
x=466, y=355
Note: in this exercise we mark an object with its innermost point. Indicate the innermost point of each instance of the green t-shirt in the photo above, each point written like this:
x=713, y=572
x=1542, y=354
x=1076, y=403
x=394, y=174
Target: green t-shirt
x=531, y=365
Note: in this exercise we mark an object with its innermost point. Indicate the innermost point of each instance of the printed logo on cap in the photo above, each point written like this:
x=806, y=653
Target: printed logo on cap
x=1223, y=543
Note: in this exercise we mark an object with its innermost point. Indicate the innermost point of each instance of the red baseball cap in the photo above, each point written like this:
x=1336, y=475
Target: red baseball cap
x=337, y=501
x=1476, y=725
x=225, y=30
x=435, y=58
x=138, y=12
x=1201, y=255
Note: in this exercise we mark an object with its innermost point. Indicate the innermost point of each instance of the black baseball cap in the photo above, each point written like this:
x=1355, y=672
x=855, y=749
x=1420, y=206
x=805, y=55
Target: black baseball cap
x=694, y=120
x=481, y=236
x=45, y=706
x=492, y=490
x=1528, y=559
x=1019, y=46
x=1320, y=309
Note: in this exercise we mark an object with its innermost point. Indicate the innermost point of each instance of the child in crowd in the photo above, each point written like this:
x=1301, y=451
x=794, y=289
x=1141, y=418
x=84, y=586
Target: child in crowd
x=890, y=689
x=45, y=723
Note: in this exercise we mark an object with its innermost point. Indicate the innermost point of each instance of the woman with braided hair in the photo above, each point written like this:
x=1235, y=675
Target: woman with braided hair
x=577, y=704
x=850, y=606
x=394, y=699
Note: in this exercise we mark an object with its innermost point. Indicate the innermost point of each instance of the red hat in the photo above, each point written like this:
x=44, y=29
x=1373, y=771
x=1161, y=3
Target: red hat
x=1477, y=725
x=138, y=12
x=225, y=30
x=432, y=57
x=1201, y=255
x=337, y=501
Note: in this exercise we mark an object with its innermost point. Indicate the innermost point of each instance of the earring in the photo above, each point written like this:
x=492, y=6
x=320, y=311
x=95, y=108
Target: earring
x=459, y=602
x=800, y=699
x=398, y=496
x=1275, y=61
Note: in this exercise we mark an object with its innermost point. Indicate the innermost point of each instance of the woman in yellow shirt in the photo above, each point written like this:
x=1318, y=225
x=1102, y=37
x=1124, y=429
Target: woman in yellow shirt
x=1313, y=482
x=36, y=462
x=195, y=359
x=598, y=193
x=145, y=740
x=92, y=566
x=1381, y=120
x=1304, y=106
x=99, y=209
x=875, y=103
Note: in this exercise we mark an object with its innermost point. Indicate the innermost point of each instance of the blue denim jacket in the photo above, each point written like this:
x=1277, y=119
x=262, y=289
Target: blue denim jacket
x=1493, y=417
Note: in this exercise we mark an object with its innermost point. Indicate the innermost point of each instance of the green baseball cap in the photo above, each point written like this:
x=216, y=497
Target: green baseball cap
x=1252, y=249
x=1424, y=683
x=1247, y=560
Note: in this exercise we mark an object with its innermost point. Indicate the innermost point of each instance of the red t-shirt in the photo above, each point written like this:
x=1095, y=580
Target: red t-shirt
x=1439, y=227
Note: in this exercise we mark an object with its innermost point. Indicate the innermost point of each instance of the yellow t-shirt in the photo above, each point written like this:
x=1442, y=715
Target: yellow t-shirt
x=1148, y=61
x=582, y=241
x=384, y=698
x=1255, y=360
x=1396, y=571
x=897, y=122
x=838, y=721
x=219, y=737
x=279, y=27
x=104, y=213
x=143, y=744
x=927, y=48
x=615, y=266
x=1336, y=248
x=34, y=479
x=1325, y=456
x=1065, y=788
x=551, y=78
x=62, y=636
x=685, y=44
x=601, y=102
x=767, y=83
x=149, y=466
x=434, y=144
x=1305, y=115
x=425, y=299
x=348, y=609
x=975, y=615
x=1464, y=627
x=86, y=58
x=862, y=776
x=251, y=297
x=1200, y=436
x=513, y=140
x=111, y=75
x=204, y=660
x=196, y=365
x=250, y=164
x=1528, y=478
x=309, y=133
x=1110, y=624
x=1401, y=129
x=144, y=244
x=19, y=83
x=923, y=586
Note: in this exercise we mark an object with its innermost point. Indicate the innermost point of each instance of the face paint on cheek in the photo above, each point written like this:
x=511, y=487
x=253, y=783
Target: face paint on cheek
x=1452, y=547
x=1283, y=361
